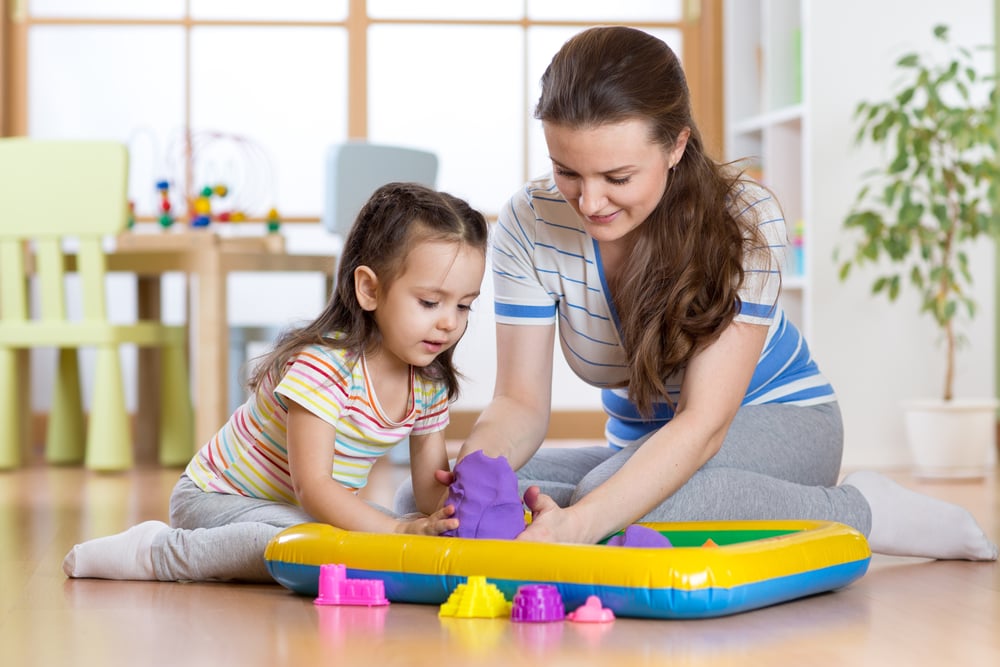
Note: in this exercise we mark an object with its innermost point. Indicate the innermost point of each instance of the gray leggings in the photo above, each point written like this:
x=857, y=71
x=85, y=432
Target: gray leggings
x=777, y=462
x=219, y=537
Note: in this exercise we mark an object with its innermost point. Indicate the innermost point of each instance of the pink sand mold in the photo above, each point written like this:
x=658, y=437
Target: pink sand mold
x=640, y=536
x=537, y=603
x=485, y=498
x=336, y=589
x=591, y=611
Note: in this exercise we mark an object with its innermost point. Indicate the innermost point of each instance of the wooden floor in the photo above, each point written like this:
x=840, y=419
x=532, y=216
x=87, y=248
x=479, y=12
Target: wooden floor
x=903, y=612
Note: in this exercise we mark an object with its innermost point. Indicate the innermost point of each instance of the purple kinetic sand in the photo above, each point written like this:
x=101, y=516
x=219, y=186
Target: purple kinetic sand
x=485, y=497
x=639, y=536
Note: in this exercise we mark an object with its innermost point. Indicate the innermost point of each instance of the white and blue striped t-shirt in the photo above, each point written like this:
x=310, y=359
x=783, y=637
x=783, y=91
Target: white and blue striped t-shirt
x=547, y=269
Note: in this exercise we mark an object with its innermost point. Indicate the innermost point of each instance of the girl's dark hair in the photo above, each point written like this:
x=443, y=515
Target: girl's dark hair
x=396, y=217
x=679, y=287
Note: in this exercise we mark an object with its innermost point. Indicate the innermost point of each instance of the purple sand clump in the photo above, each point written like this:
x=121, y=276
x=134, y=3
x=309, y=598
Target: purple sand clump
x=485, y=497
x=640, y=536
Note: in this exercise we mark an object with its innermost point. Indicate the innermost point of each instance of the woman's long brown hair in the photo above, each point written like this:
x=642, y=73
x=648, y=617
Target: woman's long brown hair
x=678, y=289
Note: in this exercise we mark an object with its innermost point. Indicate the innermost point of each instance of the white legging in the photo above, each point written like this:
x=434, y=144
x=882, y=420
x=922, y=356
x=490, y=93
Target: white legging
x=777, y=462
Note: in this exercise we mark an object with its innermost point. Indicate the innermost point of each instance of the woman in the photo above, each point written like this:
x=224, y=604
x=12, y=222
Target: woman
x=662, y=269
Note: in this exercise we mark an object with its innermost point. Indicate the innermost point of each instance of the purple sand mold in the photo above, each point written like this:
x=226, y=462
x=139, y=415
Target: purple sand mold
x=640, y=536
x=537, y=603
x=485, y=497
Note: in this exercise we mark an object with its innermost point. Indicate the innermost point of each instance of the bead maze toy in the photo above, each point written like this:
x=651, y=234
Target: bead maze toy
x=166, y=217
x=211, y=176
x=748, y=565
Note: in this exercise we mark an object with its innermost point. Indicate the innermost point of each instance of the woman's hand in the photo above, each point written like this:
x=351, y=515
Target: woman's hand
x=439, y=522
x=549, y=522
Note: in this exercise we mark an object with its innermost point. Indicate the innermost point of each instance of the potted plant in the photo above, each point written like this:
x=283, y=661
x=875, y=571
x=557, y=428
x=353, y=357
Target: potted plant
x=914, y=219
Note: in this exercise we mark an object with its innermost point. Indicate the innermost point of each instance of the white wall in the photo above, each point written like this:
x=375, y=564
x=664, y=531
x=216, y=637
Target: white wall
x=476, y=359
x=874, y=352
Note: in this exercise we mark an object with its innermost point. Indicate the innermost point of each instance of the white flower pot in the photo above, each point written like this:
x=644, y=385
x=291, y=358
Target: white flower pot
x=954, y=439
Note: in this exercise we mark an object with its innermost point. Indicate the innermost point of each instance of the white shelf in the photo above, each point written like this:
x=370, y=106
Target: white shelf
x=765, y=111
x=792, y=115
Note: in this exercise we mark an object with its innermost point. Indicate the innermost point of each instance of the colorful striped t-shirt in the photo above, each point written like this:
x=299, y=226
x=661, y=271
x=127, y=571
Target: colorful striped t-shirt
x=249, y=456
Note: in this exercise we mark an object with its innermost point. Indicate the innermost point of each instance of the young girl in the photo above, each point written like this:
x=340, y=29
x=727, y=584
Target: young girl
x=373, y=369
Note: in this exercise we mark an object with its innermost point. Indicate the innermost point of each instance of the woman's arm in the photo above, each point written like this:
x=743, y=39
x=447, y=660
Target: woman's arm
x=310, y=460
x=714, y=385
x=514, y=423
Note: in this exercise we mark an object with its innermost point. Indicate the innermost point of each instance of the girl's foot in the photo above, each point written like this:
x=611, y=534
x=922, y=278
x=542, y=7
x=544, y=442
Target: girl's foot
x=127, y=555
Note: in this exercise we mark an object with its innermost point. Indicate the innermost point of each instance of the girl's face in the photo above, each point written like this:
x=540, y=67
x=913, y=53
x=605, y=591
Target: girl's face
x=425, y=310
x=612, y=175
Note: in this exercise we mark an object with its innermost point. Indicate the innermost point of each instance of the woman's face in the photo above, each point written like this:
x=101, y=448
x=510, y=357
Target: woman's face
x=612, y=175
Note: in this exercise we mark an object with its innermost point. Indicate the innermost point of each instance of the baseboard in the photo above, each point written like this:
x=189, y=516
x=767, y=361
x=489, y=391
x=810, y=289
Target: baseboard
x=563, y=425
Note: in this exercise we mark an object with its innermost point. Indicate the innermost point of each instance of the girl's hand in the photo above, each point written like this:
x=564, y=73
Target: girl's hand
x=549, y=522
x=434, y=524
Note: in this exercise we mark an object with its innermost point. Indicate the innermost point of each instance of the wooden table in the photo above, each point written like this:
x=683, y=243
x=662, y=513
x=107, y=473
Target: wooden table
x=207, y=258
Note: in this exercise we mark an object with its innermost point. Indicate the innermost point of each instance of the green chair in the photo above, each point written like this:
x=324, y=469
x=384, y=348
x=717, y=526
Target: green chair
x=71, y=195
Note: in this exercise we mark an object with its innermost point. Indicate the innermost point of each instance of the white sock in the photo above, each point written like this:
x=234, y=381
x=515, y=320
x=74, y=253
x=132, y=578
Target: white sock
x=907, y=523
x=127, y=555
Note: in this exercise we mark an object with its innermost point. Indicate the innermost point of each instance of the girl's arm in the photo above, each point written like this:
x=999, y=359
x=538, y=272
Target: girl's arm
x=428, y=456
x=714, y=385
x=516, y=420
x=310, y=460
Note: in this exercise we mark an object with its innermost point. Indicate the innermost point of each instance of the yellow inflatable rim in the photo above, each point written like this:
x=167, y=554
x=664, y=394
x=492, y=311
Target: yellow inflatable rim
x=756, y=563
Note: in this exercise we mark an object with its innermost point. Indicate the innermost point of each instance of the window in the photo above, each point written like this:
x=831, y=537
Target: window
x=249, y=93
